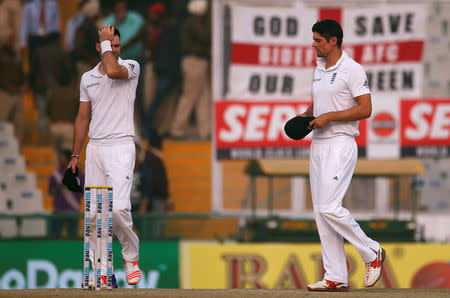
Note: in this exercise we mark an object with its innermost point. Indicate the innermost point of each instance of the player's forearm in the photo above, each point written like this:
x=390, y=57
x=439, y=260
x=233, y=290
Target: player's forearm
x=111, y=64
x=356, y=113
x=80, y=131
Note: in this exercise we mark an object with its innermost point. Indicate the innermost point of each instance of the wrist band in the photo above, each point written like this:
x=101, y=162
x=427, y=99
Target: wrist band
x=76, y=155
x=105, y=46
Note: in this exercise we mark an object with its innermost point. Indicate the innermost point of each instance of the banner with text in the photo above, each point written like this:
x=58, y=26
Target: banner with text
x=251, y=130
x=294, y=266
x=272, y=61
x=425, y=128
x=58, y=264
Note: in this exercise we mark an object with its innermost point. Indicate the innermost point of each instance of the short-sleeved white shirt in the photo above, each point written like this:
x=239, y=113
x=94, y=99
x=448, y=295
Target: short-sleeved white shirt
x=112, y=102
x=334, y=89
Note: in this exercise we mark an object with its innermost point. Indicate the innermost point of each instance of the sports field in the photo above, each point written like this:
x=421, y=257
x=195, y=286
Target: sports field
x=223, y=293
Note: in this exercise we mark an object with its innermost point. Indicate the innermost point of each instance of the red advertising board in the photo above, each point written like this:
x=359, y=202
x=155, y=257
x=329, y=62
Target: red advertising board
x=425, y=127
x=255, y=129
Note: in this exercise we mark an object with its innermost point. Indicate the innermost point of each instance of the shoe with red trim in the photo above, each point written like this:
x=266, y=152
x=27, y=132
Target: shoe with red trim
x=328, y=286
x=133, y=272
x=373, y=269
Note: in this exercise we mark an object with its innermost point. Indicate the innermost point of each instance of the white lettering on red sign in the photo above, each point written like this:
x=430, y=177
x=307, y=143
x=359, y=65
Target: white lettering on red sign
x=231, y=117
x=379, y=53
x=254, y=124
x=426, y=122
x=441, y=125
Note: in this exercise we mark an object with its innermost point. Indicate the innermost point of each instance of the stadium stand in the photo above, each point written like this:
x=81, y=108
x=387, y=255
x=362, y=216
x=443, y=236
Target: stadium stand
x=9, y=145
x=30, y=202
x=18, y=180
x=41, y=160
x=18, y=192
x=12, y=163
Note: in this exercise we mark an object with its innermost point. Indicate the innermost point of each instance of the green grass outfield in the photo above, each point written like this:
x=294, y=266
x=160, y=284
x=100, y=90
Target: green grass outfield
x=223, y=293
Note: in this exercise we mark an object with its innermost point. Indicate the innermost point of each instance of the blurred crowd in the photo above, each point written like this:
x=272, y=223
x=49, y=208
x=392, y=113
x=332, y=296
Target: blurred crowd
x=43, y=56
x=42, y=53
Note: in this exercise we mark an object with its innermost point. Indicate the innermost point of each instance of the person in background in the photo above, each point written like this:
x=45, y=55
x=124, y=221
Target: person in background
x=152, y=32
x=72, y=26
x=40, y=22
x=11, y=88
x=163, y=43
x=10, y=22
x=85, y=54
x=50, y=63
x=195, y=67
x=65, y=202
x=62, y=107
x=131, y=26
x=151, y=189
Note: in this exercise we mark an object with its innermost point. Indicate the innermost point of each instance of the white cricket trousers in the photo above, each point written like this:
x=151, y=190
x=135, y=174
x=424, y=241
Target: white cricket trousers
x=111, y=163
x=332, y=162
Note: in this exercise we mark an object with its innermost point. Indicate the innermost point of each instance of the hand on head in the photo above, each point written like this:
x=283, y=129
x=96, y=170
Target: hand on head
x=106, y=33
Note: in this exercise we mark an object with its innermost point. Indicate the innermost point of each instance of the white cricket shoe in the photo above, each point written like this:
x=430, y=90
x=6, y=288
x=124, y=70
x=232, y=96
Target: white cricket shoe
x=373, y=269
x=328, y=286
x=133, y=272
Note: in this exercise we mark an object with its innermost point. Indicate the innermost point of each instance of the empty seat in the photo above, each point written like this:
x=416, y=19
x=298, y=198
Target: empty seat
x=27, y=201
x=8, y=226
x=6, y=130
x=9, y=146
x=3, y=204
x=12, y=163
x=34, y=227
x=30, y=202
x=19, y=181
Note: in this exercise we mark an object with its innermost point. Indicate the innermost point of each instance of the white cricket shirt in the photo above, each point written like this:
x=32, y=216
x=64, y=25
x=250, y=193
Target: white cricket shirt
x=112, y=102
x=334, y=89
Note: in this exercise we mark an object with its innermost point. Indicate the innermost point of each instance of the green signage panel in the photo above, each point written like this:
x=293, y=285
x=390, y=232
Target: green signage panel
x=58, y=264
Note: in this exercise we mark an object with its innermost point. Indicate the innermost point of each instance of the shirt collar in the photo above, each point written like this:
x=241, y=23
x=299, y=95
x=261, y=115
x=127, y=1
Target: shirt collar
x=321, y=62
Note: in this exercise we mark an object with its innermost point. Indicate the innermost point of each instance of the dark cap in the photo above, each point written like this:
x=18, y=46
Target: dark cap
x=298, y=127
x=72, y=181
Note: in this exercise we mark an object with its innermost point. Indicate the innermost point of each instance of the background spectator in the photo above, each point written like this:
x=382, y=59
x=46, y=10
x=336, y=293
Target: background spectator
x=163, y=44
x=85, y=54
x=10, y=22
x=65, y=202
x=40, y=20
x=150, y=189
x=131, y=26
x=11, y=87
x=150, y=79
x=195, y=48
x=72, y=26
x=130, y=23
x=62, y=108
x=49, y=65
